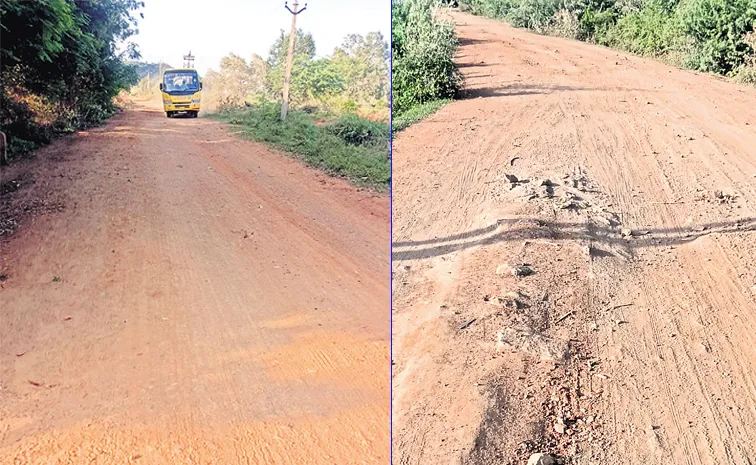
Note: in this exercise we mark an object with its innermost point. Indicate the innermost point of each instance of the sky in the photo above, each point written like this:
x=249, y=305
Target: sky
x=211, y=29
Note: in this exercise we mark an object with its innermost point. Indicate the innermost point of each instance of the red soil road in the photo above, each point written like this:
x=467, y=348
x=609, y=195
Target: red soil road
x=675, y=380
x=217, y=303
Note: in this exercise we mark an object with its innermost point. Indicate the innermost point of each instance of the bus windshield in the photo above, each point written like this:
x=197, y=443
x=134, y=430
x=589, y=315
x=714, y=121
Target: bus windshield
x=181, y=81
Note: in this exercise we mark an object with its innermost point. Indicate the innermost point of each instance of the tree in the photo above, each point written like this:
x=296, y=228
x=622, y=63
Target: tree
x=304, y=47
x=60, y=65
x=363, y=63
x=236, y=80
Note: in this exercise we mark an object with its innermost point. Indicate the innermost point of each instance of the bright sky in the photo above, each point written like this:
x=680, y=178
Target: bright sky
x=212, y=29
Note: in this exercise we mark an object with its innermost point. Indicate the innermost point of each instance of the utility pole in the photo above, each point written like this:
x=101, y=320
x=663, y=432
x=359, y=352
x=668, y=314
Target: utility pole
x=290, y=56
x=189, y=60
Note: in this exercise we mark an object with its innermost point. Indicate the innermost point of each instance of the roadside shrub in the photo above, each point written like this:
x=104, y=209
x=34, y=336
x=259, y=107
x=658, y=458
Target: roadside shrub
x=360, y=131
x=651, y=31
x=564, y=24
x=719, y=28
x=316, y=146
x=423, y=56
x=496, y=9
x=596, y=24
x=746, y=73
x=536, y=15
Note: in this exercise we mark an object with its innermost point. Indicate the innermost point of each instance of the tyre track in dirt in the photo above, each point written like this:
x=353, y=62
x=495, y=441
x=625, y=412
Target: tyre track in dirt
x=662, y=322
x=218, y=302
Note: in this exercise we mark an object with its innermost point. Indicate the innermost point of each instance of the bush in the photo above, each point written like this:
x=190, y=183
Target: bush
x=719, y=28
x=496, y=9
x=564, y=24
x=423, y=56
x=360, y=131
x=536, y=15
x=317, y=146
x=746, y=73
x=651, y=31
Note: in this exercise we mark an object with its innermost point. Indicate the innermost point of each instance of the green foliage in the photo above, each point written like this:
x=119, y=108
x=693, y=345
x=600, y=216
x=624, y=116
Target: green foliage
x=596, y=20
x=60, y=68
x=354, y=78
x=746, y=73
x=365, y=163
x=362, y=62
x=496, y=9
x=423, y=56
x=304, y=47
x=718, y=28
x=360, y=131
x=650, y=31
x=532, y=14
x=416, y=113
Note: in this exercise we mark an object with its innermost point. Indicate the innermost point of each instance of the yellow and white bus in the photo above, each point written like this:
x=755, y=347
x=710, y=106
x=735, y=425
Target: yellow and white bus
x=181, y=88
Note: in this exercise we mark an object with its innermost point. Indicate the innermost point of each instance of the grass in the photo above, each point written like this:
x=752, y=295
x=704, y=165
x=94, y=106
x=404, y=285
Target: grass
x=349, y=147
x=417, y=113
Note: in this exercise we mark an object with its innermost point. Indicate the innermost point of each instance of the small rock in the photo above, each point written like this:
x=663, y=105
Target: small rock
x=626, y=232
x=545, y=182
x=522, y=270
x=512, y=178
x=559, y=427
x=542, y=459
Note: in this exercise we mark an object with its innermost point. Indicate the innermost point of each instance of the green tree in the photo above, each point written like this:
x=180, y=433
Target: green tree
x=60, y=65
x=362, y=61
x=304, y=47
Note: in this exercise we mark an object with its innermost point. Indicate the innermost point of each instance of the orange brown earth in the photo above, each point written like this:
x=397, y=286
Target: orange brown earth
x=190, y=297
x=575, y=261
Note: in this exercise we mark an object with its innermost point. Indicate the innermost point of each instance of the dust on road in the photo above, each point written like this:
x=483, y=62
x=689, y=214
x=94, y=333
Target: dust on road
x=201, y=299
x=634, y=202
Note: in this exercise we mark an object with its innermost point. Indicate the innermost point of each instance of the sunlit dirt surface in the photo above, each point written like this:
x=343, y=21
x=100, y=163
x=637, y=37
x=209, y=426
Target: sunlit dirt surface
x=200, y=299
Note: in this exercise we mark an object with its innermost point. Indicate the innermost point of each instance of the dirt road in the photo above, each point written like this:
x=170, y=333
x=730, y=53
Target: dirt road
x=633, y=205
x=199, y=300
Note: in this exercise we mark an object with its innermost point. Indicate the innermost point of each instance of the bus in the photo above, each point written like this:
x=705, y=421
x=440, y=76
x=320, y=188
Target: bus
x=181, y=92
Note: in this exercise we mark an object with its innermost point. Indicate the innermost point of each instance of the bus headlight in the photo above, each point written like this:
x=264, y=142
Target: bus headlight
x=167, y=102
x=195, y=101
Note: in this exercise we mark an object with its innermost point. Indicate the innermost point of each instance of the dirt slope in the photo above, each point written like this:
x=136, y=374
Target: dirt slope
x=633, y=340
x=200, y=300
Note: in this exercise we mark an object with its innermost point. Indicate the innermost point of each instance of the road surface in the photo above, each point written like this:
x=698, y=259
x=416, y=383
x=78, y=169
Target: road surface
x=637, y=220
x=200, y=299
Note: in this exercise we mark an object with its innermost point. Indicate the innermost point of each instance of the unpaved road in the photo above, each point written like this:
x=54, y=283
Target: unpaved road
x=200, y=300
x=658, y=324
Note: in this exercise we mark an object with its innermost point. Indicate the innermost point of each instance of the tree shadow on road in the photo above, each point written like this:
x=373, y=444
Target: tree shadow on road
x=513, y=90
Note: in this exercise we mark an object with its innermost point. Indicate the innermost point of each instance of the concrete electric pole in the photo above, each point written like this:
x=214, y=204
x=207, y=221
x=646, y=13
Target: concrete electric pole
x=290, y=57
